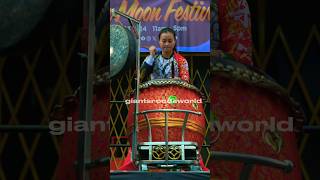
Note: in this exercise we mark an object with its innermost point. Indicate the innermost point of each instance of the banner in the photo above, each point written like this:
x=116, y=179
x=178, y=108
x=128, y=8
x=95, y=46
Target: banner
x=190, y=19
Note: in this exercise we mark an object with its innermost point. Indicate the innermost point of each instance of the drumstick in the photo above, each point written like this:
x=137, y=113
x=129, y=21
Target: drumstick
x=172, y=68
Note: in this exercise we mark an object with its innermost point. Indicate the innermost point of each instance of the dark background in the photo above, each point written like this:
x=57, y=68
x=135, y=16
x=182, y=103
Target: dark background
x=293, y=25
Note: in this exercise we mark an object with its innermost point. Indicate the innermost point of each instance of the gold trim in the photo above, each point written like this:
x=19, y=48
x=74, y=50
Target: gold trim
x=172, y=122
x=159, y=152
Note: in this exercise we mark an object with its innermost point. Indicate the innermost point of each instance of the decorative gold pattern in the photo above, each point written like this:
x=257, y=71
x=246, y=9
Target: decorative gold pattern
x=159, y=152
x=174, y=152
x=274, y=139
x=172, y=122
x=195, y=105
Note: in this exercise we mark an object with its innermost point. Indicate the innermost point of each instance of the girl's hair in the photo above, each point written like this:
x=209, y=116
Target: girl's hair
x=170, y=30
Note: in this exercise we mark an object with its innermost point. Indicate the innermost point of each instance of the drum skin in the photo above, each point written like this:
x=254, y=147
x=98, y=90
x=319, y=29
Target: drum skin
x=234, y=100
x=160, y=90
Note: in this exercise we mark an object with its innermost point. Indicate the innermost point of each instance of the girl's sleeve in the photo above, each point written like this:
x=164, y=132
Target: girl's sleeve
x=146, y=67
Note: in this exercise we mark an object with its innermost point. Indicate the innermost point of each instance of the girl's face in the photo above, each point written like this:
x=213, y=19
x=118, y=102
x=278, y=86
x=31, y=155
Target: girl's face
x=167, y=42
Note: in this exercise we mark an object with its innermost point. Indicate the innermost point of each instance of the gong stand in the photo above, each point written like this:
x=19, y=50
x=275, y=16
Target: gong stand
x=136, y=28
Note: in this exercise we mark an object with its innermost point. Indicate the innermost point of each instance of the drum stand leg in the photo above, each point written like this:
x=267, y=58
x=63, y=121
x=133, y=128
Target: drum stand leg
x=143, y=167
x=195, y=168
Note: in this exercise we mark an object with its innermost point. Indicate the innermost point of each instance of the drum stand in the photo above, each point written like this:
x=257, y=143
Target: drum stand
x=172, y=155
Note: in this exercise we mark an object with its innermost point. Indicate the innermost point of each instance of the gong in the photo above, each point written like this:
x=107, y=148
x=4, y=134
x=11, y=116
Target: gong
x=122, y=50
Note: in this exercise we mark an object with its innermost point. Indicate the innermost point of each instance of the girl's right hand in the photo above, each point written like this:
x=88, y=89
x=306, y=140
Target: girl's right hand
x=152, y=50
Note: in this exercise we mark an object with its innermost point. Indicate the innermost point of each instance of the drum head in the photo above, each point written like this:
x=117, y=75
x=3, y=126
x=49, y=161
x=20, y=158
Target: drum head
x=122, y=49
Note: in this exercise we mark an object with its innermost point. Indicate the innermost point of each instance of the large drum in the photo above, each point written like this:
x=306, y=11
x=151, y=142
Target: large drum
x=68, y=114
x=169, y=94
x=264, y=120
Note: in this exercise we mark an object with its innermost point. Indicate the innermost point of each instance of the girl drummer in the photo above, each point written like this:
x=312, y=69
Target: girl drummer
x=168, y=63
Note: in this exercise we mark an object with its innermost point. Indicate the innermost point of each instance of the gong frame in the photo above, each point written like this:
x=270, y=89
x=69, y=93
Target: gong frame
x=136, y=24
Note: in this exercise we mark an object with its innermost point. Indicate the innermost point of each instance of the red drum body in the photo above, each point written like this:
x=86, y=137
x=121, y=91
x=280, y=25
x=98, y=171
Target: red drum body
x=169, y=94
x=69, y=115
x=240, y=94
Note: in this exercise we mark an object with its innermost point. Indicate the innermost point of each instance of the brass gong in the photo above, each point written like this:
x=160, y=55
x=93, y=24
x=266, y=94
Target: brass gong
x=122, y=50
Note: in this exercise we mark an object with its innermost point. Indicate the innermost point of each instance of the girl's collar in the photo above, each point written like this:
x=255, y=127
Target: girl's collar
x=169, y=57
